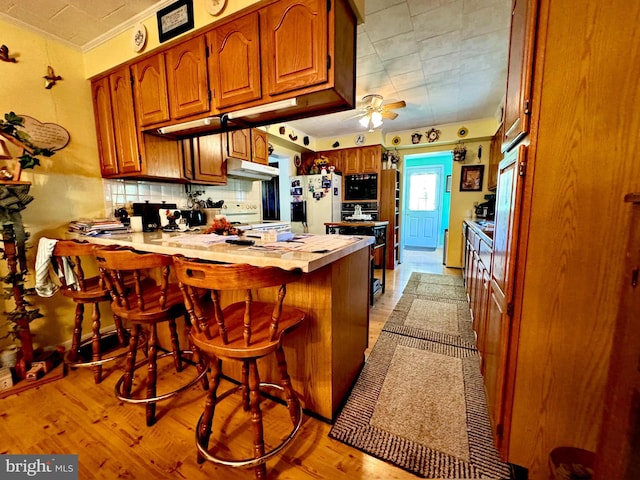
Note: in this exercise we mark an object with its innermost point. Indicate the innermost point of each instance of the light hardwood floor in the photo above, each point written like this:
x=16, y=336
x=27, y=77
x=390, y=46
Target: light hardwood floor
x=73, y=415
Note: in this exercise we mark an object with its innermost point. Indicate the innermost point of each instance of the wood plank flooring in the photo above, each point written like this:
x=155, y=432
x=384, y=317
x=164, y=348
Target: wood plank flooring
x=73, y=415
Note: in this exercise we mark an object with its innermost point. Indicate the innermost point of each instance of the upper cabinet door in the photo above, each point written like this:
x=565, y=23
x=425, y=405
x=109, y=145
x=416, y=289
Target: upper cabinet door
x=239, y=144
x=371, y=159
x=101, y=95
x=294, y=44
x=259, y=147
x=520, y=69
x=124, y=123
x=187, y=78
x=234, y=65
x=150, y=90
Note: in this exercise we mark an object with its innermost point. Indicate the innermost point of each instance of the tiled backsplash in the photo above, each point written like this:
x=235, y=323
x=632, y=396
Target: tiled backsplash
x=120, y=193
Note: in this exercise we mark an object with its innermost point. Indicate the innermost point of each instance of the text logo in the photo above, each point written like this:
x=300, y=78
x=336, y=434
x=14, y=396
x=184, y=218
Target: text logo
x=46, y=466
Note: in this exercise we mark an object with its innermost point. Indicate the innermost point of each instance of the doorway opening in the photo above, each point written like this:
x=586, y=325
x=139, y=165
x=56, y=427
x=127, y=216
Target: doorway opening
x=426, y=200
x=276, y=196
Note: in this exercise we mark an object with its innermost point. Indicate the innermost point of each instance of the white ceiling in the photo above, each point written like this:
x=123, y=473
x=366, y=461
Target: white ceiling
x=446, y=58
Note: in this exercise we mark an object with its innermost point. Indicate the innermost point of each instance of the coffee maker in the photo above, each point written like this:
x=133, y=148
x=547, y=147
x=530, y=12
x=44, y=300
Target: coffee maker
x=487, y=209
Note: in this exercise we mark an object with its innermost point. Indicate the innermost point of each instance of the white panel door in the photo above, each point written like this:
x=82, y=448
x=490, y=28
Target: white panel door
x=423, y=206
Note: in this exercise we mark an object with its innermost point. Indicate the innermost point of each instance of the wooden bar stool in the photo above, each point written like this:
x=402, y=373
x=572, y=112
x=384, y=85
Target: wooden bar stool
x=142, y=303
x=243, y=331
x=68, y=256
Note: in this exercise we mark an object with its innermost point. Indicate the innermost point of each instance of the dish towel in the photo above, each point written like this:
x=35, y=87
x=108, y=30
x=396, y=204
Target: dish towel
x=45, y=286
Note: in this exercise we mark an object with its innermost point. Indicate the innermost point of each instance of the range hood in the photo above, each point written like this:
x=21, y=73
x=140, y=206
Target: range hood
x=249, y=170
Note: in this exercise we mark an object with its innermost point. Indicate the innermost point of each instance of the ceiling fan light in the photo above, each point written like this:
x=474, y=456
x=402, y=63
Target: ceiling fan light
x=364, y=121
x=376, y=119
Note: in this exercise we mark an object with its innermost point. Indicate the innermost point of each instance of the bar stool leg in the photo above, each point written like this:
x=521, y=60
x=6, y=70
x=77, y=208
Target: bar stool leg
x=245, y=386
x=131, y=361
x=77, y=333
x=117, y=321
x=152, y=374
x=95, y=342
x=204, y=432
x=256, y=418
x=175, y=345
x=290, y=395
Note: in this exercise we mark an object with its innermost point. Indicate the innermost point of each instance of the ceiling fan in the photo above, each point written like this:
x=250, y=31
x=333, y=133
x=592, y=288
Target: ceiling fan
x=373, y=111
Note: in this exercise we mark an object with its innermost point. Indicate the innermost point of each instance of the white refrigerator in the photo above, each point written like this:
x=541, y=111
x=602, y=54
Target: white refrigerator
x=315, y=199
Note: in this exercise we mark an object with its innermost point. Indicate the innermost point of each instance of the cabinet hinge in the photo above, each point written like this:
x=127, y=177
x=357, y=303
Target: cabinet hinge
x=328, y=62
x=522, y=170
x=526, y=107
x=510, y=309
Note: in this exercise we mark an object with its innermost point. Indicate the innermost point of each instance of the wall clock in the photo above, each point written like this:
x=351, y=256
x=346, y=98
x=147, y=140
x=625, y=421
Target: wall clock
x=215, y=7
x=433, y=135
x=359, y=140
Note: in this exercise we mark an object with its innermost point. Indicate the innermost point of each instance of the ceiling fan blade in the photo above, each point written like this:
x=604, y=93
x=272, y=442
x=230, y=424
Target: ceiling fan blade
x=389, y=115
x=394, y=105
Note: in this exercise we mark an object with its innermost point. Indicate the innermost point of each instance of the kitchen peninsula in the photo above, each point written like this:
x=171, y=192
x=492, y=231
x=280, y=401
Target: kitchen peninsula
x=325, y=353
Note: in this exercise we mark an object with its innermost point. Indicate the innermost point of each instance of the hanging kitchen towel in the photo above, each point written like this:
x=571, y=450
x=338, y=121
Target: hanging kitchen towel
x=45, y=287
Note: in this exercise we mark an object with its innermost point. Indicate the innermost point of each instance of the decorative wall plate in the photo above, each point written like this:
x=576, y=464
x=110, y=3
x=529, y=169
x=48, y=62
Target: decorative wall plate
x=139, y=37
x=433, y=135
x=396, y=140
x=359, y=140
x=463, y=131
x=215, y=7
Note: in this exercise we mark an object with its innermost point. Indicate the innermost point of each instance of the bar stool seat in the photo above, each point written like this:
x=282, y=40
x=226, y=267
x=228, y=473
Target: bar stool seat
x=69, y=256
x=145, y=304
x=243, y=331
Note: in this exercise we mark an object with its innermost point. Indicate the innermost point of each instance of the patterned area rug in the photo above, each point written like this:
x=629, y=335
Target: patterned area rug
x=419, y=400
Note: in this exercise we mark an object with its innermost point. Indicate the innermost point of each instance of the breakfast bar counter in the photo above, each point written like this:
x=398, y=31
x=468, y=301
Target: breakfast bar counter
x=326, y=352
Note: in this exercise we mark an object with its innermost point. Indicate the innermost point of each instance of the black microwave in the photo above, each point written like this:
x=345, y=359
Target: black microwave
x=361, y=187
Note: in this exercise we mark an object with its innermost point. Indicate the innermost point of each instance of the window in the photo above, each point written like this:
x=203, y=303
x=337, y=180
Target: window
x=423, y=192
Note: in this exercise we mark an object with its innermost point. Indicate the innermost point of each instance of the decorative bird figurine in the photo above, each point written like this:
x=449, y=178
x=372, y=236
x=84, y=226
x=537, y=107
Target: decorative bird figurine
x=50, y=78
x=4, y=55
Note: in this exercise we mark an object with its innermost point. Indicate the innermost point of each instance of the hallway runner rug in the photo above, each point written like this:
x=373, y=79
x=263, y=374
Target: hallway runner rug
x=419, y=400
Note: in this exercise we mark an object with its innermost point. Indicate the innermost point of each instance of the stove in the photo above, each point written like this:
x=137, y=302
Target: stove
x=368, y=208
x=241, y=213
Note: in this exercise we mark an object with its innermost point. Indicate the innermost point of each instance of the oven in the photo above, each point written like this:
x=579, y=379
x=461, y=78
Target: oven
x=368, y=208
x=361, y=187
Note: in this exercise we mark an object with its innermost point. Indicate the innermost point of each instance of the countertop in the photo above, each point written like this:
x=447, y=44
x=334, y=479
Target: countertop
x=484, y=228
x=279, y=254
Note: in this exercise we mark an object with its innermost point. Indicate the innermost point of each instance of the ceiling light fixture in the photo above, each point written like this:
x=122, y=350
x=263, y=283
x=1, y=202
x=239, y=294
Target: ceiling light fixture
x=372, y=120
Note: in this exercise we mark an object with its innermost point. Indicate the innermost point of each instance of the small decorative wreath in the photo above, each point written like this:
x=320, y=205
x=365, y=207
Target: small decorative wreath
x=433, y=135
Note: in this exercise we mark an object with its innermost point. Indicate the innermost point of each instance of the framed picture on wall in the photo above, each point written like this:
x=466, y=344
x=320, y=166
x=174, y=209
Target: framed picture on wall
x=471, y=178
x=175, y=19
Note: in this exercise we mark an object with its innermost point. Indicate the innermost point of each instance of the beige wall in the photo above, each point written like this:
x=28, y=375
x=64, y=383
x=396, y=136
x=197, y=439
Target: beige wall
x=68, y=184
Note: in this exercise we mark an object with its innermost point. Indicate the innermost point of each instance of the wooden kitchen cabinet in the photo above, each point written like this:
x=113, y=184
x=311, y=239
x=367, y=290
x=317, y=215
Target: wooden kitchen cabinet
x=259, y=147
x=495, y=157
x=501, y=289
x=187, y=78
x=362, y=160
x=150, y=90
x=390, y=211
x=248, y=144
x=204, y=159
x=293, y=39
x=234, y=64
x=519, y=72
x=124, y=151
x=115, y=124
